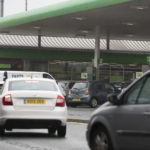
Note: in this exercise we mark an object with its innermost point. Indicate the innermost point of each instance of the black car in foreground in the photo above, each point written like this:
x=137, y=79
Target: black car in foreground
x=92, y=93
x=123, y=123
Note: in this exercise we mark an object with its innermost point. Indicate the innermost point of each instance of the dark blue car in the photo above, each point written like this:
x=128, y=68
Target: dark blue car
x=92, y=93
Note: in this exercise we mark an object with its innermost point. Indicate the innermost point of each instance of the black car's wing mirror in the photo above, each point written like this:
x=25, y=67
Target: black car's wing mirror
x=113, y=98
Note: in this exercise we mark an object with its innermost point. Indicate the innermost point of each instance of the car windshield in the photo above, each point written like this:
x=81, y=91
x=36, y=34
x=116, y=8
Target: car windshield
x=32, y=85
x=80, y=85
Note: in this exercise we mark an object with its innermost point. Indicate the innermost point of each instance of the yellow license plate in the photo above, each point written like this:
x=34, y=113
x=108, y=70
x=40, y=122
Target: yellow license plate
x=35, y=101
x=76, y=99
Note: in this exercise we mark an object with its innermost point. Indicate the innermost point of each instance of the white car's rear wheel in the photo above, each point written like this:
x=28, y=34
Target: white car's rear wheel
x=51, y=130
x=61, y=131
x=1, y=131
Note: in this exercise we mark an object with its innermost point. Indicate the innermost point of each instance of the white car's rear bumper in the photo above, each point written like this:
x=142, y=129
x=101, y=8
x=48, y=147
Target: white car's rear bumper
x=34, y=118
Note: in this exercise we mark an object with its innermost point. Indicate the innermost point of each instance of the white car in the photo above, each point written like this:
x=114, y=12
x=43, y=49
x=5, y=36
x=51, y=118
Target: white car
x=32, y=103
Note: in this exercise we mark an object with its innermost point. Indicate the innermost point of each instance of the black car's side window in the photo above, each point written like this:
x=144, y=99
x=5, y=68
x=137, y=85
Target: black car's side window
x=131, y=96
x=144, y=96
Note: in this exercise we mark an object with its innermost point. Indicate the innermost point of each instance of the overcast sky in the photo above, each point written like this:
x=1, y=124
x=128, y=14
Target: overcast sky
x=17, y=6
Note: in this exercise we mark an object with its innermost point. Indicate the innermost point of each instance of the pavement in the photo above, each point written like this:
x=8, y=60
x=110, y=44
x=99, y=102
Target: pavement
x=79, y=114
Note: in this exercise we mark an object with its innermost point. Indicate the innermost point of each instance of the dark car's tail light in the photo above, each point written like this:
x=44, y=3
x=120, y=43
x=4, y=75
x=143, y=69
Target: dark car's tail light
x=60, y=102
x=7, y=100
x=70, y=91
x=86, y=92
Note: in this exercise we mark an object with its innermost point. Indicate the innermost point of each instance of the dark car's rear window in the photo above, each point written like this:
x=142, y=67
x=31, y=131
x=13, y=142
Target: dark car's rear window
x=31, y=85
x=81, y=85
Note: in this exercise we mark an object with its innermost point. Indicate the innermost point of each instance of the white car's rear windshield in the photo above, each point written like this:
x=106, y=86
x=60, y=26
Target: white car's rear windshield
x=31, y=85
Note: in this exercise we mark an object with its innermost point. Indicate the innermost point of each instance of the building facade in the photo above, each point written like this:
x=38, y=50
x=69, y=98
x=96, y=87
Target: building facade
x=70, y=65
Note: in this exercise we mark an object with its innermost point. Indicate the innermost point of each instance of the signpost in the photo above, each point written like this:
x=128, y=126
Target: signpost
x=148, y=59
x=100, y=61
x=138, y=74
x=84, y=75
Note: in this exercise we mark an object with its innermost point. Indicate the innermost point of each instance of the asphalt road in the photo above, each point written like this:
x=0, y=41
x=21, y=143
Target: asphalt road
x=40, y=140
x=80, y=113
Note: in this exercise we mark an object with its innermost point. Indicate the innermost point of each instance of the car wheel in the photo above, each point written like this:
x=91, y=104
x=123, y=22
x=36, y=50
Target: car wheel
x=94, y=103
x=100, y=140
x=67, y=104
x=61, y=131
x=1, y=131
x=51, y=131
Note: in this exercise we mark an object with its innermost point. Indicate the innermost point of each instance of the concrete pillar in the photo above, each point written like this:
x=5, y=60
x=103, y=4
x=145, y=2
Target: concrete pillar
x=1, y=8
x=97, y=52
x=108, y=41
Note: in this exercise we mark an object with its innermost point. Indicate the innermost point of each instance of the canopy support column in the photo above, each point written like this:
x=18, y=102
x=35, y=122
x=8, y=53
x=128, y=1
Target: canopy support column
x=26, y=5
x=39, y=41
x=39, y=38
x=97, y=53
x=108, y=41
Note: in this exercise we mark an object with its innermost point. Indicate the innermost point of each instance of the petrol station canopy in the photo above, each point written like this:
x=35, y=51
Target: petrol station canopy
x=125, y=23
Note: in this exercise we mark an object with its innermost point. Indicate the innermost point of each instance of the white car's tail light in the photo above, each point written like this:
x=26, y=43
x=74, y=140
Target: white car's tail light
x=60, y=102
x=7, y=100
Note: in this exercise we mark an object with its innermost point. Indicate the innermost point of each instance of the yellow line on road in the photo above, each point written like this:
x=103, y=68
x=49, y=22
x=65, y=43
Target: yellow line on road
x=82, y=123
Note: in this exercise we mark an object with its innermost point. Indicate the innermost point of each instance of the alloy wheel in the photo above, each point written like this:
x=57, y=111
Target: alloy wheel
x=94, y=103
x=99, y=140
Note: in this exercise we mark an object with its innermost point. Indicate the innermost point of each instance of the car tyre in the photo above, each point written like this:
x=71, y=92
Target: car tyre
x=67, y=103
x=93, y=103
x=51, y=130
x=61, y=131
x=100, y=140
x=2, y=131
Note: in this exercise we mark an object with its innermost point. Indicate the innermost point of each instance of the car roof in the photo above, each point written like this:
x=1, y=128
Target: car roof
x=15, y=71
x=92, y=81
x=41, y=79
